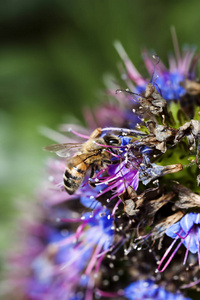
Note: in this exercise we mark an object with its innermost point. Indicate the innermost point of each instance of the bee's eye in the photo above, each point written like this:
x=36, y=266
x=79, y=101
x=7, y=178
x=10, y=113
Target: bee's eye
x=110, y=140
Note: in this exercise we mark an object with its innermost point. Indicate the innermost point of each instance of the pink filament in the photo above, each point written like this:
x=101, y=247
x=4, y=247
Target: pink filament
x=106, y=251
x=94, y=257
x=186, y=286
x=107, y=294
x=187, y=250
x=166, y=254
x=80, y=230
x=115, y=155
x=66, y=241
x=198, y=249
x=89, y=290
x=109, y=146
x=79, y=134
x=98, y=264
x=115, y=207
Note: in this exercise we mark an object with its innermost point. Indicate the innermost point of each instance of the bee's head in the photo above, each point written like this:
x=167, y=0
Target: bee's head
x=112, y=140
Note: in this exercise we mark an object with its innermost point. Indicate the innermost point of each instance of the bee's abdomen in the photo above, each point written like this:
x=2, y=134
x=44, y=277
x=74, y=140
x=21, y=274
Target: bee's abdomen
x=72, y=179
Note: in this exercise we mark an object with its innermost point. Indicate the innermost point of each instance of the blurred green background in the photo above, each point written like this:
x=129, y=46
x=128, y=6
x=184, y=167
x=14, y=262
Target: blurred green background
x=53, y=56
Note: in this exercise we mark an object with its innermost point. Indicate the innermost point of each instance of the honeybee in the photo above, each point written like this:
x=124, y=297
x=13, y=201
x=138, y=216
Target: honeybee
x=91, y=154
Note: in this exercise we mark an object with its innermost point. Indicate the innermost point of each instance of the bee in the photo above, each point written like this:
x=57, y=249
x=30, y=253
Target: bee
x=89, y=155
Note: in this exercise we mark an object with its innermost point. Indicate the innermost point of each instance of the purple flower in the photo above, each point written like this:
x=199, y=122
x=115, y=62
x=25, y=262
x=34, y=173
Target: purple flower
x=123, y=172
x=123, y=175
x=56, y=262
x=95, y=234
x=105, y=116
x=188, y=230
x=147, y=289
x=40, y=272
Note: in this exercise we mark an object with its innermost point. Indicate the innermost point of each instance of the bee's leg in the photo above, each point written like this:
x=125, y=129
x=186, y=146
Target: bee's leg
x=96, y=133
x=105, y=161
x=93, y=170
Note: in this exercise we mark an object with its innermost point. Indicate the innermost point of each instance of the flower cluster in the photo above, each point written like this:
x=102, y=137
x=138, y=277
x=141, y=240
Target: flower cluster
x=120, y=215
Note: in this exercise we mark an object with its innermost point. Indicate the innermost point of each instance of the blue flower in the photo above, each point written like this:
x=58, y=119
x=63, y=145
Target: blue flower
x=100, y=231
x=169, y=85
x=141, y=290
x=57, y=270
x=88, y=196
x=167, y=82
x=188, y=231
x=91, y=242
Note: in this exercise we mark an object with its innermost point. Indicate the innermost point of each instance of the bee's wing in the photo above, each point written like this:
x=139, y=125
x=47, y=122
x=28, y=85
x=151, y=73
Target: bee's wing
x=64, y=150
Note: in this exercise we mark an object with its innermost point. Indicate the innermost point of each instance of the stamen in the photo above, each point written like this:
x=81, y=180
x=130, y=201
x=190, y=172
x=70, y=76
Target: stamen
x=66, y=241
x=175, y=43
x=116, y=207
x=94, y=257
x=187, y=250
x=89, y=290
x=98, y=265
x=198, y=246
x=107, y=294
x=123, y=130
x=115, y=155
x=79, y=134
x=104, y=252
x=80, y=230
x=186, y=286
x=108, y=146
x=166, y=254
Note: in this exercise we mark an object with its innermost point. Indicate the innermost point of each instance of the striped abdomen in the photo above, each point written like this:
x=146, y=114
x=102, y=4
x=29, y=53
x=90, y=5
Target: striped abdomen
x=77, y=168
x=73, y=177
